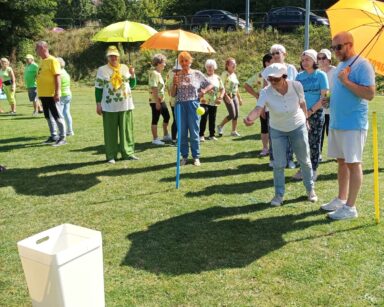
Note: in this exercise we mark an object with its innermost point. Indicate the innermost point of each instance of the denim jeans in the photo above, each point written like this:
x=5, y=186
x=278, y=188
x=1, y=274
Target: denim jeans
x=189, y=123
x=299, y=141
x=65, y=104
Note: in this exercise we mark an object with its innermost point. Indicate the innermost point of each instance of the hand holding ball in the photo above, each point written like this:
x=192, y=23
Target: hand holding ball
x=200, y=111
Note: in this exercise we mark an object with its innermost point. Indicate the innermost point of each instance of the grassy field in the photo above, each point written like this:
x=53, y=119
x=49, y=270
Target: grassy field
x=215, y=241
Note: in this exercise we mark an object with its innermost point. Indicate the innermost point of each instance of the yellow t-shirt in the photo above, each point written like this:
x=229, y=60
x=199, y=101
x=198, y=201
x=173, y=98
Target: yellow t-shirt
x=49, y=67
x=156, y=80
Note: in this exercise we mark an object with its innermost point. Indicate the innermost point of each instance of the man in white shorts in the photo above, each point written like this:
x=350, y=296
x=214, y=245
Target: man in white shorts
x=353, y=87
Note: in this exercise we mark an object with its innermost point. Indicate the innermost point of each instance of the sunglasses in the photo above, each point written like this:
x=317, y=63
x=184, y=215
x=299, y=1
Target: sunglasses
x=338, y=47
x=273, y=79
x=321, y=58
x=275, y=53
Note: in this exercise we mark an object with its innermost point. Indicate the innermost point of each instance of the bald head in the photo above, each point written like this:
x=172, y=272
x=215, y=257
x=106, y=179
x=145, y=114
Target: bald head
x=344, y=37
x=342, y=45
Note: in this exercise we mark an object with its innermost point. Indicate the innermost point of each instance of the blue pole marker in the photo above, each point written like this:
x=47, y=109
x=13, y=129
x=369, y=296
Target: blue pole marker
x=178, y=124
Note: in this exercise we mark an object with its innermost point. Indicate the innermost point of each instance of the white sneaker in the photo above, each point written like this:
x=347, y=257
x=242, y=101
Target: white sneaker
x=314, y=176
x=167, y=138
x=291, y=164
x=271, y=164
x=333, y=205
x=312, y=197
x=277, y=201
x=298, y=176
x=157, y=142
x=196, y=162
x=35, y=113
x=202, y=139
x=112, y=161
x=219, y=130
x=343, y=213
x=235, y=133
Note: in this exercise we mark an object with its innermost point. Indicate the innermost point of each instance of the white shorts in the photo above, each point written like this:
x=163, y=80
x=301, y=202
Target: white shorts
x=347, y=144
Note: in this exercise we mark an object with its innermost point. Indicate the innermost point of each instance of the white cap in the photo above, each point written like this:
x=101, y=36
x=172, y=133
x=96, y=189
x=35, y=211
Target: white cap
x=327, y=53
x=278, y=47
x=275, y=70
x=312, y=53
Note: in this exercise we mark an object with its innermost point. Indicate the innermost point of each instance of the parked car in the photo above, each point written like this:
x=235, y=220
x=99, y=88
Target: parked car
x=289, y=17
x=216, y=19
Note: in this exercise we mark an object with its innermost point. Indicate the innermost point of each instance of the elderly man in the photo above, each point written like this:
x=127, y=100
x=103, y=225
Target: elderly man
x=354, y=86
x=30, y=73
x=48, y=90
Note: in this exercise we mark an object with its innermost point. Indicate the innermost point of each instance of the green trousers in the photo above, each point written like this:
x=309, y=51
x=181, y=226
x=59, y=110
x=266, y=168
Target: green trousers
x=118, y=126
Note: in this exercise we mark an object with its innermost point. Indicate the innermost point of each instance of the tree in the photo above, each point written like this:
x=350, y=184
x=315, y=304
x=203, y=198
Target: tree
x=111, y=11
x=74, y=12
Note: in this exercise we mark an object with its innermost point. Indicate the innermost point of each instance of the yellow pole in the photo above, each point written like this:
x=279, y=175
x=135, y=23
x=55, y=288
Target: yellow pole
x=376, y=168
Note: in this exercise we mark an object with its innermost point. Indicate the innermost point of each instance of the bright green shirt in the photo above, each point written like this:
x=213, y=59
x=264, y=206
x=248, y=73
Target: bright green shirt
x=231, y=83
x=30, y=73
x=65, y=83
x=5, y=75
x=156, y=80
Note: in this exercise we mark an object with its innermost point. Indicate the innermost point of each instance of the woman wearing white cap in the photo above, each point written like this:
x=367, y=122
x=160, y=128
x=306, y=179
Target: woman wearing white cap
x=315, y=84
x=287, y=110
x=114, y=102
x=324, y=58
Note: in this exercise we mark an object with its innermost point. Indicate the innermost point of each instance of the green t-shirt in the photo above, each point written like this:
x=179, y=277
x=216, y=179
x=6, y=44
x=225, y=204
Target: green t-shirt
x=5, y=75
x=65, y=83
x=156, y=80
x=30, y=73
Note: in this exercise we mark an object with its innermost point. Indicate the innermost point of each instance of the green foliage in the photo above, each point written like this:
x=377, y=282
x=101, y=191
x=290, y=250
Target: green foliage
x=75, y=12
x=142, y=10
x=111, y=11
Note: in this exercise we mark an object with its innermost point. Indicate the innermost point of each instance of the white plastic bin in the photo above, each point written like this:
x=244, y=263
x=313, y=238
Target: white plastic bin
x=63, y=267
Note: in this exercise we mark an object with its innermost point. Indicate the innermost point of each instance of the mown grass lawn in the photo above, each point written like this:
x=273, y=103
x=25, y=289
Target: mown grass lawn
x=215, y=241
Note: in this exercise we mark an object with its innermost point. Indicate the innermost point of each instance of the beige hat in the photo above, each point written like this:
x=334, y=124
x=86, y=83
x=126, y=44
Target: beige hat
x=275, y=70
x=29, y=56
x=112, y=50
x=327, y=53
x=312, y=53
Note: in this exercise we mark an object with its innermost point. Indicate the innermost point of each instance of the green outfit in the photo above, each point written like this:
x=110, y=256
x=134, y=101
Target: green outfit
x=30, y=73
x=117, y=106
x=65, y=83
x=156, y=80
x=5, y=75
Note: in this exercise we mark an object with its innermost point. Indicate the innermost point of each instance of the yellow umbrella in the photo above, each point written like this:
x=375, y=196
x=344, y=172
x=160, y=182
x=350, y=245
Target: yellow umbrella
x=178, y=40
x=364, y=19
x=124, y=31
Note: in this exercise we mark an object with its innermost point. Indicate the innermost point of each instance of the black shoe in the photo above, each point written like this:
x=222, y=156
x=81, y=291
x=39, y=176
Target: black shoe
x=60, y=142
x=51, y=139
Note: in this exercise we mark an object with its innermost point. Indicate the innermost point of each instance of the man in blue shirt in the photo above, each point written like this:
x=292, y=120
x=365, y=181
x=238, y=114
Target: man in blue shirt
x=354, y=86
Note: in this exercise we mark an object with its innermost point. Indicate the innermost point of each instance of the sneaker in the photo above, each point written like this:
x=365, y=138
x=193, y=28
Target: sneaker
x=333, y=205
x=314, y=176
x=196, y=162
x=51, y=139
x=291, y=165
x=264, y=153
x=202, y=139
x=157, y=142
x=70, y=133
x=212, y=138
x=343, y=213
x=219, y=130
x=35, y=113
x=235, y=133
x=270, y=164
x=183, y=161
x=320, y=158
x=131, y=157
x=60, y=142
x=298, y=176
x=111, y=161
x=277, y=201
x=167, y=138
x=312, y=197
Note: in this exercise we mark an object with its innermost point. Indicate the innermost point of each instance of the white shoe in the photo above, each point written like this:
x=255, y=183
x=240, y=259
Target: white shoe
x=343, y=213
x=112, y=161
x=312, y=197
x=219, y=130
x=314, y=176
x=157, y=142
x=235, y=133
x=291, y=164
x=202, y=139
x=35, y=113
x=298, y=176
x=333, y=205
x=196, y=162
x=212, y=138
x=277, y=201
x=167, y=138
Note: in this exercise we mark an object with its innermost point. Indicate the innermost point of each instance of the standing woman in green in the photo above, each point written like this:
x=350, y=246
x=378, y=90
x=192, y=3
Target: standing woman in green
x=30, y=74
x=9, y=83
x=114, y=102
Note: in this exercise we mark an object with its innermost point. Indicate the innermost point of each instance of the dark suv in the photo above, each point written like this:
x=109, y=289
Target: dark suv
x=289, y=17
x=216, y=19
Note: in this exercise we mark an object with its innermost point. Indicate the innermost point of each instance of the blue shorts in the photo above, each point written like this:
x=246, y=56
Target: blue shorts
x=32, y=94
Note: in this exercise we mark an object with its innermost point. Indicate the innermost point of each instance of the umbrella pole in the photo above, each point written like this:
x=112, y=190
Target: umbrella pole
x=178, y=124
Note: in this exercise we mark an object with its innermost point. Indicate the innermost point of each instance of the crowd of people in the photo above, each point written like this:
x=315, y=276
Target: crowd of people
x=296, y=109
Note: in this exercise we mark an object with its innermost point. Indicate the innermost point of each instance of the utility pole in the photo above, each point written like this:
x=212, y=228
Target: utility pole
x=306, y=35
x=247, y=16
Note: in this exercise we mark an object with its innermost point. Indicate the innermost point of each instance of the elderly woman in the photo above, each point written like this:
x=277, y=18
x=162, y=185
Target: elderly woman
x=315, y=84
x=114, y=102
x=324, y=59
x=189, y=85
x=287, y=110
x=66, y=97
x=232, y=97
x=211, y=100
x=9, y=83
x=157, y=99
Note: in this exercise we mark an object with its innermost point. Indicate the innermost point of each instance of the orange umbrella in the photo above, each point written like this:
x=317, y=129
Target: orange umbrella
x=178, y=40
x=364, y=19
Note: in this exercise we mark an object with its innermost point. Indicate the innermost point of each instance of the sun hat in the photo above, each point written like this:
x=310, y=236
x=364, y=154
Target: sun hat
x=275, y=70
x=327, y=53
x=29, y=56
x=112, y=50
x=312, y=53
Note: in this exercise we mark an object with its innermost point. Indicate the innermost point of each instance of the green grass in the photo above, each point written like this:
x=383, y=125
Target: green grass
x=215, y=241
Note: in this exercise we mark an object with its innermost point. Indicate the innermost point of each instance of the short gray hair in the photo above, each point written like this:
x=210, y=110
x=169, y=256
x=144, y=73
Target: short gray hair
x=42, y=44
x=61, y=61
x=211, y=62
x=158, y=59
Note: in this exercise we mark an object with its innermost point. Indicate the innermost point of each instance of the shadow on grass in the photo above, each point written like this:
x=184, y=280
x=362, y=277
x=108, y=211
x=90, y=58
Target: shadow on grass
x=18, y=143
x=212, y=239
x=249, y=137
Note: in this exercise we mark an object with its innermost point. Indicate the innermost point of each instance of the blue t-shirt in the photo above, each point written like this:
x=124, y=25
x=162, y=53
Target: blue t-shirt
x=313, y=84
x=350, y=112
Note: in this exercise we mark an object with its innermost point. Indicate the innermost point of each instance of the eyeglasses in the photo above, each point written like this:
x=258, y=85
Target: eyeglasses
x=338, y=47
x=275, y=53
x=321, y=58
x=275, y=80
